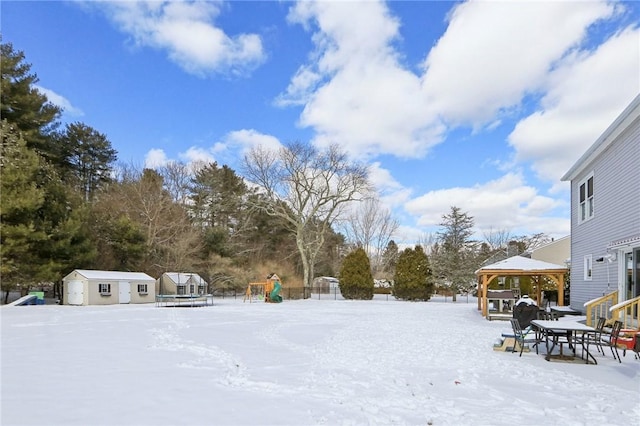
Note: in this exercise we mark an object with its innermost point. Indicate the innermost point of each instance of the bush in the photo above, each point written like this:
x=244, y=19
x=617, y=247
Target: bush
x=356, y=281
x=413, y=279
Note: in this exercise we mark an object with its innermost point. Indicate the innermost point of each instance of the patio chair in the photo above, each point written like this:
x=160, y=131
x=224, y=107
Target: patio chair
x=595, y=338
x=611, y=340
x=522, y=337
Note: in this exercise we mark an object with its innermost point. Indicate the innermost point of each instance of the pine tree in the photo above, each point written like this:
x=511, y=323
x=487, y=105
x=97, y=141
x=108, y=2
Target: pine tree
x=356, y=281
x=21, y=200
x=390, y=258
x=22, y=105
x=456, y=259
x=88, y=157
x=413, y=279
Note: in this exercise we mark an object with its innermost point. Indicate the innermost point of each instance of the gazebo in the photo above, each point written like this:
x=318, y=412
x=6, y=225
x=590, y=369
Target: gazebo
x=519, y=266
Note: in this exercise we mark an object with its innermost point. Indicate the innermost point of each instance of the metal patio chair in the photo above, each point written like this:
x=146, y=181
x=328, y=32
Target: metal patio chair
x=522, y=337
x=611, y=340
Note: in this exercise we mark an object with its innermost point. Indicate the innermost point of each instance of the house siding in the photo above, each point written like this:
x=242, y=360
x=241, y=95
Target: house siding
x=557, y=252
x=616, y=183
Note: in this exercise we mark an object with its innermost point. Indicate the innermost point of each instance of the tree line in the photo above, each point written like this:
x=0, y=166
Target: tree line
x=67, y=203
x=301, y=211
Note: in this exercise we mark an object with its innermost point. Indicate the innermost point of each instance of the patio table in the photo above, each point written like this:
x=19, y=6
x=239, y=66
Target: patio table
x=572, y=328
x=564, y=310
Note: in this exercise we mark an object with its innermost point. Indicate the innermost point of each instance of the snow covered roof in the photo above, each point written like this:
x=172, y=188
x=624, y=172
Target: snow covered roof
x=114, y=275
x=185, y=277
x=520, y=263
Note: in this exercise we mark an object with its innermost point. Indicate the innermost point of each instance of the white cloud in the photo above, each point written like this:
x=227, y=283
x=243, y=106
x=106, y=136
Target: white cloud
x=584, y=94
x=60, y=101
x=505, y=203
x=196, y=155
x=354, y=90
x=493, y=53
x=246, y=139
x=391, y=192
x=155, y=158
x=186, y=30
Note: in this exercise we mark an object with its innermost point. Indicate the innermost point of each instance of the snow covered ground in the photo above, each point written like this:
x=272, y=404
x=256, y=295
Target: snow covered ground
x=304, y=362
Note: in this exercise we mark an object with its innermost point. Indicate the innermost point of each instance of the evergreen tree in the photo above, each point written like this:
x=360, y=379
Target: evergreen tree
x=456, y=261
x=356, y=281
x=20, y=203
x=88, y=157
x=413, y=279
x=22, y=105
x=390, y=258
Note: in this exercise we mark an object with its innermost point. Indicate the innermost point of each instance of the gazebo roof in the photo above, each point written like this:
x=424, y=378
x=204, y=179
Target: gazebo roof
x=520, y=263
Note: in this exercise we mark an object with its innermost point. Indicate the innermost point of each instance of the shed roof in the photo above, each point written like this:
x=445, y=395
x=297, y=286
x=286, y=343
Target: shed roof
x=113, y=275
x=520, y=263
x=185, y=277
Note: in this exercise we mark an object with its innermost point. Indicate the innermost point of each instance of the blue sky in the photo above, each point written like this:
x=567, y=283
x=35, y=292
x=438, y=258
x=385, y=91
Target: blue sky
x=482, y=105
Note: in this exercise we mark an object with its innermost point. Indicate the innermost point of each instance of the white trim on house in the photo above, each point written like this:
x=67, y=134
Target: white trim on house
x=586, y=198
x=619, y=125
x=631, y=241
x=588, y=267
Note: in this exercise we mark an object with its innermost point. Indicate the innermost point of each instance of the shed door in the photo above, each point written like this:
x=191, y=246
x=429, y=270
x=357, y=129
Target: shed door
x=75, y=292
x=124, y=292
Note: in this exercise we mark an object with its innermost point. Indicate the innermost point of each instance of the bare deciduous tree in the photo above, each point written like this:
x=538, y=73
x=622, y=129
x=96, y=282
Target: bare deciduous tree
x=177, y=180
x=171, y=241
x=429, y=242
x=307, y=188
x=371, y=227
x=497, y=239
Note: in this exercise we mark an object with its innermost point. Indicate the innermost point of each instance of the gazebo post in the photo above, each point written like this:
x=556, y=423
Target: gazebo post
x=485, y=286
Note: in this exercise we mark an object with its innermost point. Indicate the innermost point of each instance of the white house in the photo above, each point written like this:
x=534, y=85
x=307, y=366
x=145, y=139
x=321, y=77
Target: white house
x=605, y=214
x=91, y=287
x=557, y=251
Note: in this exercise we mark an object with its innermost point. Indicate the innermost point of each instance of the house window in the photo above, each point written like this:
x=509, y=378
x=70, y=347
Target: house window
x=181, y=289
x=142, y=288
x=192, y=288
x=586, y=199
x=104, y=289
x=588, y=267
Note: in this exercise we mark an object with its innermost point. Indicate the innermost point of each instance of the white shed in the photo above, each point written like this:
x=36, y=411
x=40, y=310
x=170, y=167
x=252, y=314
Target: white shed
x=181, y=283
x=90, y=287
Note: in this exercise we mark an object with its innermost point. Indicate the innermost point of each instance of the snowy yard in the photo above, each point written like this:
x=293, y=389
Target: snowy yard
x=303, y=362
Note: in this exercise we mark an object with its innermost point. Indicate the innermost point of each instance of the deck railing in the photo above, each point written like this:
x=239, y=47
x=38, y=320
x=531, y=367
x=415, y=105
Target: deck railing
x=627, y=312
x=599, y=307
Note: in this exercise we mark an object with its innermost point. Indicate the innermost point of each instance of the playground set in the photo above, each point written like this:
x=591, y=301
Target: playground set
x=268, y=290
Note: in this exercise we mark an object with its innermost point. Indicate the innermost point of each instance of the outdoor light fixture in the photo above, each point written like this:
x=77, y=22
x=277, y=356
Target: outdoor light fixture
x=609, y=257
